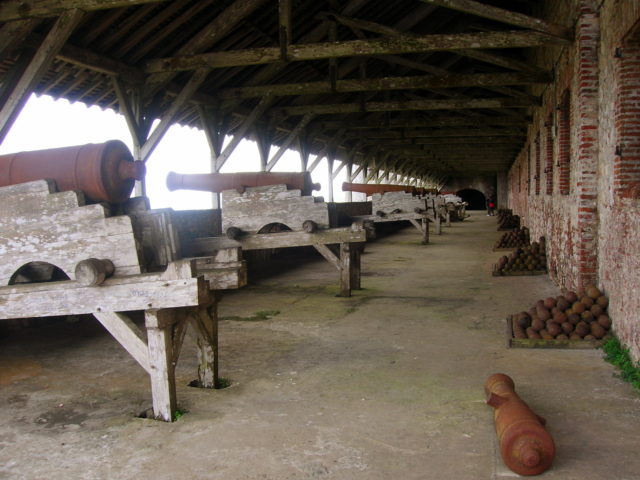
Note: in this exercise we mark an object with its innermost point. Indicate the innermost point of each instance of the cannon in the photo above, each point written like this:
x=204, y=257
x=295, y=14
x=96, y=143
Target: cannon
x=219, y=182
x=525, y=445
x=104, y=172
x=371, y=188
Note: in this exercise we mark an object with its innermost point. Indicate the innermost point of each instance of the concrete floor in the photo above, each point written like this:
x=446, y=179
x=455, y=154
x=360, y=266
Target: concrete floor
x=386, y=384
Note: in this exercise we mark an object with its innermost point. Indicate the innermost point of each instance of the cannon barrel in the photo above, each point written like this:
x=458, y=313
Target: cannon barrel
x=525, y=445
x=219, y=182
x=105, y=172
x=371, y=188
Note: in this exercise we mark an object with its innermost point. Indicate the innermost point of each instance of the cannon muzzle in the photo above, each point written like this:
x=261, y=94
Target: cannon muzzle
x=525, y=445
x=219, y=182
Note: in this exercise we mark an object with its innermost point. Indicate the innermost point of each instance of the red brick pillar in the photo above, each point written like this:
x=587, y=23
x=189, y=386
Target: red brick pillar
x=585, y=157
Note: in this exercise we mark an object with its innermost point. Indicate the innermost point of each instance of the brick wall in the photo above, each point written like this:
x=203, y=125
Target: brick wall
x=589, y=131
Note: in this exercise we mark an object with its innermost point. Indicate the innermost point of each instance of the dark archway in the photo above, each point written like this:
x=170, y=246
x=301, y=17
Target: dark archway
x=37, y=272
x=475, y=198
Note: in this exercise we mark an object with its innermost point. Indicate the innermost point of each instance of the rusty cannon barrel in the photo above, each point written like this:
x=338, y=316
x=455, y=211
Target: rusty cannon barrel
x=371, y=188
x=219, y=182
x=525, y=445
x=105, y=172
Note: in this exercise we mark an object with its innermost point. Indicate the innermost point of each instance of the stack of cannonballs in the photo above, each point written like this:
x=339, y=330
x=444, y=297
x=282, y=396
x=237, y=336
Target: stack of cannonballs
x=508, y=221
x=513, y=239
x=524, y=259
x=572, y=316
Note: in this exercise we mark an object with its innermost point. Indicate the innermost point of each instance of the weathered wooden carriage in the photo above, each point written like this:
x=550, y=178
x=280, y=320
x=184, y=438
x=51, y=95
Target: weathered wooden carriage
x=61, y=256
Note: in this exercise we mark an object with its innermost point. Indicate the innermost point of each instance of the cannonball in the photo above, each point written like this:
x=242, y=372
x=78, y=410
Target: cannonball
x=545, y=335
x=562, y=336
x=575, y=336
x=523, y=320
x=597, y=330
x=603, y=301
x=553, y=329
x=582, y=329
x=573, y=318
x=543, y=313
x=604, y=321
x=562, y=304
x=532, y=334
x=596, y=310
x=589, y=337
x=567, y=327
x=578, y=307
x=593, y=292
x=586, y=301
x=559, y=317
x=537, y=324
x=587, y=316
x=549, y=302
x=571, y=296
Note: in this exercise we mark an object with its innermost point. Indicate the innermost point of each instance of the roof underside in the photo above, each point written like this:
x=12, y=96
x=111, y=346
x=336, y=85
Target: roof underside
x=420, y=88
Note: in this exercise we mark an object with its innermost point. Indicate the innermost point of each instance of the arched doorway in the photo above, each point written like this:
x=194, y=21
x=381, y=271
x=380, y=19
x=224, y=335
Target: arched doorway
x=475, y=198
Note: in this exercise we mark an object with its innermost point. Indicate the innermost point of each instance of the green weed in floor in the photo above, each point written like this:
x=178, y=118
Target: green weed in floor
x=618, y=355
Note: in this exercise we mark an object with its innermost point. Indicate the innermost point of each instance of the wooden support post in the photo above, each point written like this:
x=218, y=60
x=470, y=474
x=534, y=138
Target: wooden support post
x=330, y=159
x=425, y=230
x=285, y=145
x=162, y=369
x=345, y=270
x=53, y=42
x=438, y=222
x=350, y=179
x=448, y=217
x=257, y=111
x=205, y=324
x=169, y=116
x=356, y=252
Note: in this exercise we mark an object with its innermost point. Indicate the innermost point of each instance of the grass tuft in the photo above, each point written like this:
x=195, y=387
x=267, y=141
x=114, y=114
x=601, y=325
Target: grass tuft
x=617, y=355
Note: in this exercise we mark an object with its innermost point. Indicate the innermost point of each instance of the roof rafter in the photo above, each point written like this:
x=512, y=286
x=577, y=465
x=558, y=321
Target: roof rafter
x=319, y=51
x=17, y=9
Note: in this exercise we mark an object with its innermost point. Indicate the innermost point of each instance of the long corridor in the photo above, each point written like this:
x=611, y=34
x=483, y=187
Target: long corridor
x=386, y=384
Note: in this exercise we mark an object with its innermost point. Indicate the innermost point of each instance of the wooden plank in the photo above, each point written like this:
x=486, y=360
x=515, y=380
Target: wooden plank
x=127, y=334
x=399, y=106
x=137, y=292
x=204, y=246
x=17, y=9
x=389, y=84
x=162, y=371
x=319, y=51
x=328, y=255
x=356, y=253
x=40, y=63
x=505, y=16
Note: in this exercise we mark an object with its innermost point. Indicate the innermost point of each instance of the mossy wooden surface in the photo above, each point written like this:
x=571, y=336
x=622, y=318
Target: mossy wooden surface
x=513, y=342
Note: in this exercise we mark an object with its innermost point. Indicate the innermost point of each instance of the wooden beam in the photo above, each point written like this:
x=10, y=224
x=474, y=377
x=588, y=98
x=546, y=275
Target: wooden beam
x=40, y=63
x=284, y=20
x=169, y=116
x=505, y=16
x=499, y=60
x=287, y=142
x=258, y=110
x=418, y=122
x=127, y=334
x=215, y=31
x=319, y=51
x=17, y=9
x=449, y=132
x=13, y=34
x=99, y=63
x=448, y=104
x=388, y=84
